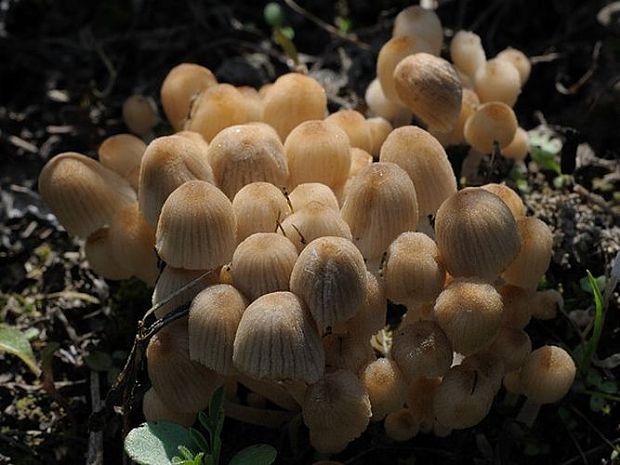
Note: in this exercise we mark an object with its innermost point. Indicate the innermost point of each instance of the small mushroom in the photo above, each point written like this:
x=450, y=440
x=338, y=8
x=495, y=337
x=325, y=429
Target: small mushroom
x=385, y=385
x=380, y=129
x=155, y=410
x=140, y=114
x=519, y=60
x=509, y=197
x=122, y=154
x=498, y=81
x=421, y=24
x=401, y=425
x=379, y=105
x=467, y=53
x=309, y=192
x=354, y=124
x=493, y=122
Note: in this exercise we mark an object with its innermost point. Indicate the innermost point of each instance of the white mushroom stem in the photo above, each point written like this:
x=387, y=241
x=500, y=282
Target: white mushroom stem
x=528, y=413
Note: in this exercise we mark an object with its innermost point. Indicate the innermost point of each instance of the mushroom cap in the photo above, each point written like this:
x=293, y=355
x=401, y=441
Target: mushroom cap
x=214, y=316
x=518, y=306
x=293, y=99
x=380, y=204
x=354, y=125
x=421, y=349
x=277, y=339
x=330, y=276
x=347, y=351
x=519, y=147
x=380, y=129
x=140, y=114
x=385, y=385
x=82, y=193
x=180, y=88
x=360, y=159
x=196, y=229
x=246, y=153
x=509, y=197
x=171, y=280
x=456, y=136
x=379, y=105
x=430, y=87
x=419, y=401
x=547, y=375
x=259, y=207
x=469, y=311
x=167, y=163
x=489, y=366
x=122, y=154
x=467, y=53
x=519, y=60
x=401, y=425
x=425, y=161
x=476, y=234
x=318, y=151
x=491, y=122
x=98, y=252
x=420, y=23
x=308, y=192
x=546, y=304
x=262, y=264
x=155, y=410
x=512, y=345
x=498, y=81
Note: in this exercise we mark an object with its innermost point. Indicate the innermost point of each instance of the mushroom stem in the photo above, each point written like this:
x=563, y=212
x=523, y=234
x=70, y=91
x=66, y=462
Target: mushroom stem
x=256, y=416
x=528, y=413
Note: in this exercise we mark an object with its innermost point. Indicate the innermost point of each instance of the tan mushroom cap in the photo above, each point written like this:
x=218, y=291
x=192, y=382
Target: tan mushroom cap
x=168, y=162
x=379, y=105
x=197, y=138
x=509, y=197
x=98, y=252
x=218, y=107
x=392, y=53
x=318, y=151
x=547, y=375
x=180, y=89
x=214, y=316
x=360, y=159
x=489, y=366
x=519, y=60
x=380, y=128
x=242, y=154
x=122, y=154
x=308, y=192
x=262, y=264
x=330, y=276
x=354, y=124
x=385, y=385
x=534, y=256
x=512, y=345
x=380, y=204
x=82, y=193
x=421, y=349
x=338, y=406
x=277, y=339
x=492, y=122
x=401, y=425
x=425, y=161
x=419, y=401
x=196, y=229
x=420, y=23
x=347, y=351
x=518, y=306
x=476, y=234
x=546, y=304
x=155, y=410
x=293, y=99
x=430, y=87
x=259, y=207
x=498, y=81
x=469, y=104
x=469, y=311
x=140, y=114
x=182, y=385
x=467, y=53
x=519, y=147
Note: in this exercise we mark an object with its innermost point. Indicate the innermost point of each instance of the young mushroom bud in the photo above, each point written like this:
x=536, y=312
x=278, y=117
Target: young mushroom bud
x=381, y=203
x=546, y=304
x=519, y=60
x=309, y=192
x=493, y=122
x=263, y=263
x=214, y=316
x=386, y=387
x=421, y=24
x=456, y=136
x=534, y=256
x=489, y=367
x=347, y=351
x=180, y=90
x=476, y=234
x=196, y=229
x=123, y=154
x=519, y=147
x=336, y=406
x=259, y=207
x=380, y=129
x=155, y=410
x=140, y=114
x=512, y=346
x=498, y=81
x=82, y=193
x=467, y=53
x=168, y=162
x=425, y=161
x=277, y=339
x=98, y=252
x=517, y=306
x=181, y=384
x=354, y=124
x=360, y=159
x=240, y=155
x=330, y=276
x=254, y=101
x=546, y=377
x=401, y=425
x=219, y=107
x=171, y=280
x=469, y=311
x=379, y=105
x=509, y=197
x=430, y=87
x=293, y=99
x=392, y=53
x=421, y=349
x=420, y=394
x=313, y=221
x=318, y=151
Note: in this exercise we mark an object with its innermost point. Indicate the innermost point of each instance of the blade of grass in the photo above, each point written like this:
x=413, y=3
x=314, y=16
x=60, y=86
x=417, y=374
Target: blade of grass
x=592, y=343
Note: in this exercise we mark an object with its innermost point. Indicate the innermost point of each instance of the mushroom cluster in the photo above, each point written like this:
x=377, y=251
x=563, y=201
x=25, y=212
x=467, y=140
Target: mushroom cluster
x=310, y=224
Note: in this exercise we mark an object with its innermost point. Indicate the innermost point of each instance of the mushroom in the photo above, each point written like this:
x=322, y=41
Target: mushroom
x=456, y=136
x=122, y=154
x=519, y=60
x=349, y=351
x=421, y=24
x=489, y=366
x=419, y=400
x=385, y=385
x=98, y=252
x=155, y=410
x=380, y=128
x=467, y=53
x=354, y=125
x=509, y=197
x=171, y=280
x=493, y=122
x=519, y=147
x=517, y=306
x=309, y=192
x=379, y=105
x=140, y=114
x=401, y=425
x=498, y=81
x=512, y=346
x=545, y=304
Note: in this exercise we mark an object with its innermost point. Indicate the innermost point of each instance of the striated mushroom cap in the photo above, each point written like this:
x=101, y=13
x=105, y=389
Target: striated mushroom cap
x=467, y=53
x=491, y=122
x=421, y=24
x=259, y=207
x=155, y=410
x=122, y=154
x=354, y=125
x=547, y=375
x=386, y=387
x=309, y=192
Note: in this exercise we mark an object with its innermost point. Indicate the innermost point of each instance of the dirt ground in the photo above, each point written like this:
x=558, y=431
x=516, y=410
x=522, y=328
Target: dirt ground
x=66, y=67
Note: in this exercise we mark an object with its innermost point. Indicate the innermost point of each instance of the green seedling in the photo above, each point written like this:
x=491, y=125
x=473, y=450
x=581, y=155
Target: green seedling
x=281, y=34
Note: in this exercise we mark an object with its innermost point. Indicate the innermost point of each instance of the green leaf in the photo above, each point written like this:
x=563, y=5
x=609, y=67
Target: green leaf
x=156, y=443
x=15, y=342
x=258, y=454
x=273, y=14
x=592, y=343
x=200, y=440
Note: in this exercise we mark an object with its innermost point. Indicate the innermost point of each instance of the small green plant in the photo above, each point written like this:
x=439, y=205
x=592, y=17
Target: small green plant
x=281, y=34
x=165, y=443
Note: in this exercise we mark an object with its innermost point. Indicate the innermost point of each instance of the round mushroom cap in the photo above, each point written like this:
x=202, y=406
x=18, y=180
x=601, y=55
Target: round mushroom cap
x=467, y=53
x=277, y=339
x=122, y=154
x=519, y=147
x=171, y=280
x=469, y=311
x=379, y=105
x=419, y=401
x=512, y=345
x=82, y=193
x=401, y=425
x=354, y=125
x=421, y=24
x=498, y=81
x=476, y=234
x=509, y=197
x=492, y=122
x=330, y=276
x=140, y=114
x=489, y=366
x=98, y=252
x=425, y=161
x=518, y=306
x=380, y=129
x=196, y=229
x=469, y=104
x=155, y=410
x=430, y=87
x=547, y=375
x=519, y=60
x=246, y=153
x=308, y=192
